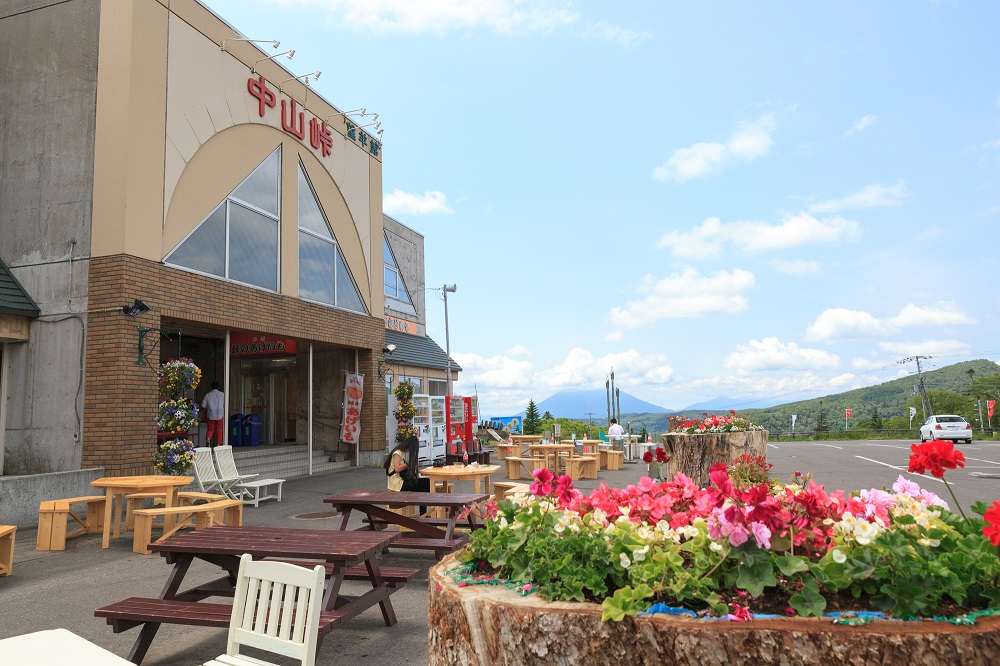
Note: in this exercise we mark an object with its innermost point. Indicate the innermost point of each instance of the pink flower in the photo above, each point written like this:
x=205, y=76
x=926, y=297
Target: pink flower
x=543, y=483
x=761, y=535
x=739, y=614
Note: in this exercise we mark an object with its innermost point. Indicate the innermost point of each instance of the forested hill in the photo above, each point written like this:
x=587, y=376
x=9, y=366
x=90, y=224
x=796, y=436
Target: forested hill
x=892, y=400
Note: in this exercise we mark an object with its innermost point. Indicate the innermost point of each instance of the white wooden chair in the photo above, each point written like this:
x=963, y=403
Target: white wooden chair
x=276, y=609
x=226, y=464
x=207, y=478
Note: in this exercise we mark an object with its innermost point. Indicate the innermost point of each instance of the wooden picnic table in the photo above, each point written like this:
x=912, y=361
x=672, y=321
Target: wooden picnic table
x=551, y=453
x=474, y=473
x=120, y=486
x=427, y=533
x=343, y=554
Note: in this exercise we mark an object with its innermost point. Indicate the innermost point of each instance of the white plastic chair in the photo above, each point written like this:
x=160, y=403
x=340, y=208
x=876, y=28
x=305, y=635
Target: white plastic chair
x=227, y=465
x=207, y=478
x=276, y=609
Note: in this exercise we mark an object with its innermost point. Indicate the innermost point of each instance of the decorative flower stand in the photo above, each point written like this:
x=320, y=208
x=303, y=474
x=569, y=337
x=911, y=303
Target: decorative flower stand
x=488, y=624
x=694, y=455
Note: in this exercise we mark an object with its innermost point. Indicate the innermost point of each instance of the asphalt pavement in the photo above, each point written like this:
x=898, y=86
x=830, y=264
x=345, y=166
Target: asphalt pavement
x=61, y=589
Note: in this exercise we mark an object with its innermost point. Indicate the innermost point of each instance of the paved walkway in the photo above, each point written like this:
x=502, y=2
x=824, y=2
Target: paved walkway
x=61, y=589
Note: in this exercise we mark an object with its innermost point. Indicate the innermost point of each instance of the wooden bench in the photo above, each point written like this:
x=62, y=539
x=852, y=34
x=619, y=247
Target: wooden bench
x=581, y=466
x=53, y=515
x=517, y=464
x=7, y=533
x=134, y=611
x=502, y=489
x=135, y=501
x=441, y=547
x=462, y=524
x=611, y=459
x=394, y=576
x=222, y=512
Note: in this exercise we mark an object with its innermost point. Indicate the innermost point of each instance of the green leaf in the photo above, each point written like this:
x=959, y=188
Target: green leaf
x=808, y=601
x=790, y=564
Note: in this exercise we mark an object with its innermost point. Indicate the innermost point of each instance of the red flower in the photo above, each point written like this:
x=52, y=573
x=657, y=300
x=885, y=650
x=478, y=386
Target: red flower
x=647, y=457
x=935, y=456
x=661, y=455
x=543, y=482
x=992, y=529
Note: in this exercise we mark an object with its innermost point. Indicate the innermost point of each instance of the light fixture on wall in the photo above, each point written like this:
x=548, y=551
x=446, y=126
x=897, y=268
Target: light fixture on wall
x=385, y=365
x=290, y=53
x=304, y=77
x=136, y=309
x=377, y=125
x=273, y=42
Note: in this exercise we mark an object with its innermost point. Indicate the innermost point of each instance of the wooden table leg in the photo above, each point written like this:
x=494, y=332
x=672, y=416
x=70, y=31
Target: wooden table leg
x=388, y=612
x=119, y=512
x=170, y=501
x=108, y=498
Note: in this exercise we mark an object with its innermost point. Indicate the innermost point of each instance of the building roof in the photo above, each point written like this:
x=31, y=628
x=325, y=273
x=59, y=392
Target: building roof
x=14, y=300
x=418, y=350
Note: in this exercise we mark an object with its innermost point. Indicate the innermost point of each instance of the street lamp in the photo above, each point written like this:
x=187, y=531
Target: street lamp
x=447, y=342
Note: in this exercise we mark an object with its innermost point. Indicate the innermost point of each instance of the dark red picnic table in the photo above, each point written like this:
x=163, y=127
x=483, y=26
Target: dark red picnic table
x=345, y=555
x=433, y=534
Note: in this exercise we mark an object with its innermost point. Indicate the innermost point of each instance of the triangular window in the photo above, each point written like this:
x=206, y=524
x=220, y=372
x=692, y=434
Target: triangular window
x=324, y=276
x=239, y=239
x=395, y=288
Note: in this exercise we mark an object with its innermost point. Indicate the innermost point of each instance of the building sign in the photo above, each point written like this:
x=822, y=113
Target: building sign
x=256, y=344
x=294, y=123
x=401, y=325
x=350, y=425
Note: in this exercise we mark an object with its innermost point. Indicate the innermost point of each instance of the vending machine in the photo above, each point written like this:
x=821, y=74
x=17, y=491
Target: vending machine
x=429, y=424
x=462, y=425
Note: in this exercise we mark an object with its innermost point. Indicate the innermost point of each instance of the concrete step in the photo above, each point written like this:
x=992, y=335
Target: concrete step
x=284, y=462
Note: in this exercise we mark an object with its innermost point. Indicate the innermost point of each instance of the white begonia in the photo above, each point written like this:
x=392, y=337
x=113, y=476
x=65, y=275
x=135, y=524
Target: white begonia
x=624, y=561
x=715, y=547
x=640, y=554
x=502, y=523
x=600, y=516
x=865, y=532
x=838, y=556
x=932, y=543
x=689, y=531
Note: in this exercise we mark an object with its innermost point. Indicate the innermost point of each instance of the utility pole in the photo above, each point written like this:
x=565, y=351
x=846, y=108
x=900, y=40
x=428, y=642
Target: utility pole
x=925, y=401
x=590, y=415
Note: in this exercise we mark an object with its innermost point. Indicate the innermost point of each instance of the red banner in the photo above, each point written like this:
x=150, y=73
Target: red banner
x=990, y=404
x=350, y=426
x=848, y=413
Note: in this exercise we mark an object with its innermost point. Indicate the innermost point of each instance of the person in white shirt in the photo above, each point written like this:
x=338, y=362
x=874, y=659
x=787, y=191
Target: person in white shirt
x=615, y=434
x=214, y=404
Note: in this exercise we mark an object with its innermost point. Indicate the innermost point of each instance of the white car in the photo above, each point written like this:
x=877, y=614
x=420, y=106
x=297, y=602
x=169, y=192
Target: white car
x=946, y=426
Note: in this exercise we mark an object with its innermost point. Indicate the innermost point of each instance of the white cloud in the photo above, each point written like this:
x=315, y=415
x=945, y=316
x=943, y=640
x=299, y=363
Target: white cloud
x=925, y=348
x=614, y=336
x=869, y=196
x=517, y=350
x=841, y=323
x=861, y=125
x=581, y=369
x=494, y=371
x=798, y=267
x=427, y=203
x=708, y=239
x=750, y=141
x=772, y=354
x=687, y=294
x=441, y=16
x=612, y=33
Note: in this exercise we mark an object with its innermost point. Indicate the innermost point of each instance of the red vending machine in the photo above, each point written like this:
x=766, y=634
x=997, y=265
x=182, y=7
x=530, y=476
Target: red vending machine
x=461, y=427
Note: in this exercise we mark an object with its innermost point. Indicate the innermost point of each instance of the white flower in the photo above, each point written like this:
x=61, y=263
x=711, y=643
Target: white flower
x=624, y=561
x=640, y=554
x=715, y=547
x=838, y=556
x=933, y=543
x=865, y=532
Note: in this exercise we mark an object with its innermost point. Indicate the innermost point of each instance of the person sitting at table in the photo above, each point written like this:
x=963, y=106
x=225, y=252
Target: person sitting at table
x=403, y=468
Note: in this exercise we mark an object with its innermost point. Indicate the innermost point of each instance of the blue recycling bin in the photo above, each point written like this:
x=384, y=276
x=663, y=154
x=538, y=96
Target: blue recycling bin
x=236, y=430
x=251, y=430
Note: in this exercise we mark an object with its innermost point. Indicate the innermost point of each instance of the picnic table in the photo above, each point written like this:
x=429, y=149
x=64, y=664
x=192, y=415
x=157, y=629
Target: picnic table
x=345, y=555
x=120, y=486
x=474, y=473
x=552, y=453
x=427, y=533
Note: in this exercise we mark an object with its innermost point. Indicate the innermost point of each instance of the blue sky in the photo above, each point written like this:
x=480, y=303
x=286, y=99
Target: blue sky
x=769, y=201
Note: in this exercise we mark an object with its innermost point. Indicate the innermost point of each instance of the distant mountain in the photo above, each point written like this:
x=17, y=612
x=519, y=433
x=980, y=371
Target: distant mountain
x=722, y=404
x=580, y=404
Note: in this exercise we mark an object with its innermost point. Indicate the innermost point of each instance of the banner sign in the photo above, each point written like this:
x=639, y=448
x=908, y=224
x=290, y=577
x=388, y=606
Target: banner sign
x=350, y=425
x=990, y=404
x=256, y=344
x=510, y=423
x=848, y=411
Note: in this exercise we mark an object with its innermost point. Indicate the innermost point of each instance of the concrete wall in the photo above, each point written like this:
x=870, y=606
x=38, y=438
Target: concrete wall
x=20, y=495
x=48, y=81
x=408, y=249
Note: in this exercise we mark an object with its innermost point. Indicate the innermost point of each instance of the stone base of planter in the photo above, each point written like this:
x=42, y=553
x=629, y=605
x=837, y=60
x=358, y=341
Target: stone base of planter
x=486, y=625
x=694, y=455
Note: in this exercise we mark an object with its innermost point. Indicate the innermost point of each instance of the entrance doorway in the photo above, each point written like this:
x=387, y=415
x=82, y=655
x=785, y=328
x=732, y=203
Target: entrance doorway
x=267, y=391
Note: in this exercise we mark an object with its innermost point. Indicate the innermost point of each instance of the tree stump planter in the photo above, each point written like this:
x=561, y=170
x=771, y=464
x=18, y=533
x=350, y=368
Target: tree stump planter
x=484, y=625
x=694, y=455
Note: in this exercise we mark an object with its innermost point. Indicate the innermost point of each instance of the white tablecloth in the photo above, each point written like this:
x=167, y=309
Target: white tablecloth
x=55, y=647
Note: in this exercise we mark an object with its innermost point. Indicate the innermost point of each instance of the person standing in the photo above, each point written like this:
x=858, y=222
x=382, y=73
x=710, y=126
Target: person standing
x=615, y=435
x=214, y=404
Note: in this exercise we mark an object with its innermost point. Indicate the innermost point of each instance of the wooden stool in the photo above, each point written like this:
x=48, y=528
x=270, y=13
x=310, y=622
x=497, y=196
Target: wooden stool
x=614, y=460
x=503, y=489
x=581, y=466
x=52, y=516
x=7, y=533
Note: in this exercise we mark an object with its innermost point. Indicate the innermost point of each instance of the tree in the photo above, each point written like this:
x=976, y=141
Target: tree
x=876, y=421
x=821, y=424
x=547, y=416
x=532, y=421
x=985, y=387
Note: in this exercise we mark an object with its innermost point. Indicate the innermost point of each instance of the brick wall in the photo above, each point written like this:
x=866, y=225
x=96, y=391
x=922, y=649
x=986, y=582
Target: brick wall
x=119, y=422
